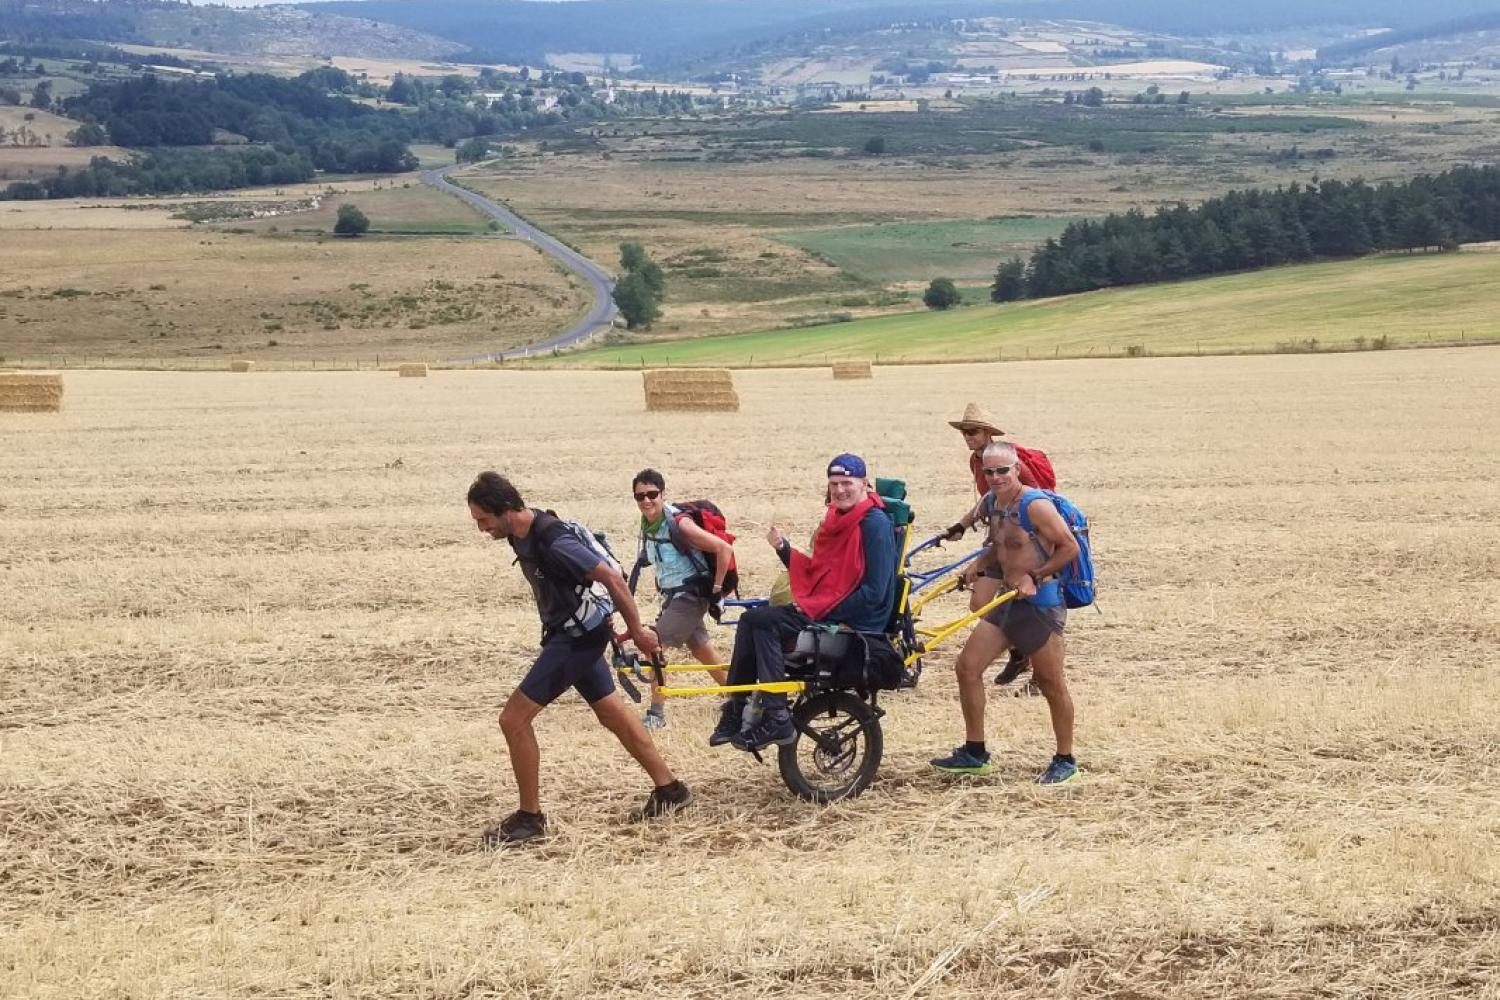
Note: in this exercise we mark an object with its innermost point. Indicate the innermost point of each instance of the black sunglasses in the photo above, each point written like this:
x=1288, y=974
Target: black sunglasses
x=647, y=495
x=998, y=470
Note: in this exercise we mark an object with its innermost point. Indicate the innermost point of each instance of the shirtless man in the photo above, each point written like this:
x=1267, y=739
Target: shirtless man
x=1031, y=623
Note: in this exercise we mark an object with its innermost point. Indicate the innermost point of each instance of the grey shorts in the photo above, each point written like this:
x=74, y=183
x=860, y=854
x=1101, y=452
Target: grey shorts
x=1027, y=626
x=575, y=662
x=680, y=623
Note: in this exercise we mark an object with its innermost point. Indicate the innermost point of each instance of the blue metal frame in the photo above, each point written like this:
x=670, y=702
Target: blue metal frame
x=924, y=578
x=919, y=578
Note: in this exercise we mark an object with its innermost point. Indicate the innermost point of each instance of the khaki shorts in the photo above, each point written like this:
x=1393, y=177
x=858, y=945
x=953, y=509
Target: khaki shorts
x=1026, y=626
x=680, y=623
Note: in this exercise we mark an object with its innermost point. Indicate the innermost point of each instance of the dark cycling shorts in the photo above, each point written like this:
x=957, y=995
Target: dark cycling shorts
x=571, y=662
x=1027, y=626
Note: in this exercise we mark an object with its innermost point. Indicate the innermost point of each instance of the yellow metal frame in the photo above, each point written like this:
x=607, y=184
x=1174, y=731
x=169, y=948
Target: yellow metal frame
x=930, y=637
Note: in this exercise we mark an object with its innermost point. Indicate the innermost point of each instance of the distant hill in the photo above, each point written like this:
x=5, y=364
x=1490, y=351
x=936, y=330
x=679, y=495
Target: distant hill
x=1355, y=48
x=265, y=31
x=666, y=30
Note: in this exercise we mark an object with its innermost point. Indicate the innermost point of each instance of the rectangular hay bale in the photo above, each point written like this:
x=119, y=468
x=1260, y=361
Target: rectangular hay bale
x=852, y=370
x=681, y=378
x=30, y=392
x=720, y=401
x=242, y=366
x=412, y=370
x=701, y=389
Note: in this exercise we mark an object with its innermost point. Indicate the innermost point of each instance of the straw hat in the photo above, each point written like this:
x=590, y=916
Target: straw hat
x=977, y=416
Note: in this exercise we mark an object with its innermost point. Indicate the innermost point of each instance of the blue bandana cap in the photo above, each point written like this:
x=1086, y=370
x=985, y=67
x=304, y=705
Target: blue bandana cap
x=847, y=465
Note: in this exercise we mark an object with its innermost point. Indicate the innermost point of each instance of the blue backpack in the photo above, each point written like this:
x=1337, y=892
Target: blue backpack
x=1076, y=579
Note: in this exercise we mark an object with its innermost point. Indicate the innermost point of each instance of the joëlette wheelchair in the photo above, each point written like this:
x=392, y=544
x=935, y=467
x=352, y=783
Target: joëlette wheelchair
x=837, y=674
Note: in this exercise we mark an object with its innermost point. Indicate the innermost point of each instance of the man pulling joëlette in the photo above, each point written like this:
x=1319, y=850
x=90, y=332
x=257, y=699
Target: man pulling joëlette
x=561, y=569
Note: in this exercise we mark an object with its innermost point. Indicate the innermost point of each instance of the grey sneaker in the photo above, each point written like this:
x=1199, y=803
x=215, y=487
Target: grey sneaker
x=731, y=720
x=655, y=718
x=664, y=800
x=775, y=728
x=1027, y=690
x=516, y=829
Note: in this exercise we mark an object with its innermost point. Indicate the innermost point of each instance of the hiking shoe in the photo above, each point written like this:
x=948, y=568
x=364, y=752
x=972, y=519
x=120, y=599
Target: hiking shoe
x=1017, y=665
x=516, y=829
x=654, y=719
x=774, y=729
x=1059, y=772
x=664, y=800
x=961, y=761
x=731, y=719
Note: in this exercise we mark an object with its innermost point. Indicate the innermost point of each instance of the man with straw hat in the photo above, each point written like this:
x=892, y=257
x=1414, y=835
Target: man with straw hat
x=979, y=428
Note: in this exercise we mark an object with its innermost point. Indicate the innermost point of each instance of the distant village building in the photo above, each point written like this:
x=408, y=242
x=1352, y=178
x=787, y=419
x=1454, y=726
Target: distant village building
x=819, y=90
x=966, y=79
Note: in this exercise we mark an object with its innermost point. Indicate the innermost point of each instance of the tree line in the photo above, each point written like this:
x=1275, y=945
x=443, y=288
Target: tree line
x=294, y=116
x=1260, y=228
x=168, y=171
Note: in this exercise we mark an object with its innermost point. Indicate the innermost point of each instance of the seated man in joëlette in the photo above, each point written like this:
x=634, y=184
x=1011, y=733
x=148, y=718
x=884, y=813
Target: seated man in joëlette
x=849, y=580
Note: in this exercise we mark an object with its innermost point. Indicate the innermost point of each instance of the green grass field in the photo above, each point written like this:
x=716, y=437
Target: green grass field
x=920, y=251
x=1409, y=299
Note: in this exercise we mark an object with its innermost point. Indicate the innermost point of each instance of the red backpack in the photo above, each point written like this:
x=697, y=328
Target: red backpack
x=1039, y=465
x=706, y=515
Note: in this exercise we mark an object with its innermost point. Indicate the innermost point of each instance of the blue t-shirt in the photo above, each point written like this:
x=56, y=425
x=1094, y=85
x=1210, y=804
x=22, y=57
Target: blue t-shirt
x=868, y=608
x=674, y=567
x=555, y=569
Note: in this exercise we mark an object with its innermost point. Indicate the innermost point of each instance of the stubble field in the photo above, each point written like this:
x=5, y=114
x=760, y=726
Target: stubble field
x=254, y=649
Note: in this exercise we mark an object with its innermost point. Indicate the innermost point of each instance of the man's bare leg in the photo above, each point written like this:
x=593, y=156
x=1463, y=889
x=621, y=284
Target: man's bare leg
x=705, y=653
x=985, y=643
x=525, y=756
x=1047, y=674
x=983, y=592
x=629, y=730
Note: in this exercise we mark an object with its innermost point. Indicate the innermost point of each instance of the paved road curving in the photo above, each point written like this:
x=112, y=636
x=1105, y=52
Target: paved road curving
x=600, y=313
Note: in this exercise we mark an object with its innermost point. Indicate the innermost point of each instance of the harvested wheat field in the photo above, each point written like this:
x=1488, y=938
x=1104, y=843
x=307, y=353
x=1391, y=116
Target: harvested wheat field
x=254, y=649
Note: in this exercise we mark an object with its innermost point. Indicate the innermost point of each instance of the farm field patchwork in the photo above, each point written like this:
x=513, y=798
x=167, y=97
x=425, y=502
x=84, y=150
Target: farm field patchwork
x=1409, y=299
x=254, y=649
x=743, y=190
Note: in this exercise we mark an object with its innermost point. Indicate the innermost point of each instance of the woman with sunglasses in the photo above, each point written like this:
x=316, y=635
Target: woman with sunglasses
x=690, y=565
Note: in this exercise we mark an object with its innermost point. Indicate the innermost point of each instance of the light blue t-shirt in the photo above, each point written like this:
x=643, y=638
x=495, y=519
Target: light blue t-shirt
x=674, y=567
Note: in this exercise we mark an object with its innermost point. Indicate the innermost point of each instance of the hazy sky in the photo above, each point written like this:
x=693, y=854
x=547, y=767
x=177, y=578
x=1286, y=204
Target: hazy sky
x=264, y=3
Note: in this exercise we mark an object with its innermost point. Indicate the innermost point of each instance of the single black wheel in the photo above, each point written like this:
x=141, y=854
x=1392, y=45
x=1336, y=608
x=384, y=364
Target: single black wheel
x=837, y=750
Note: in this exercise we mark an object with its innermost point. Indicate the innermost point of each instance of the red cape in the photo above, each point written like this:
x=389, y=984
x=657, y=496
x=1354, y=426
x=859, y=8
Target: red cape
x=820, y=582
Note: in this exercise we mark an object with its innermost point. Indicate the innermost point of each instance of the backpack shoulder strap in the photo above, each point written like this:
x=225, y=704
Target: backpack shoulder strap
x=1023, y=510
x=549, y=528
x=641, y=562
x=675, y=514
